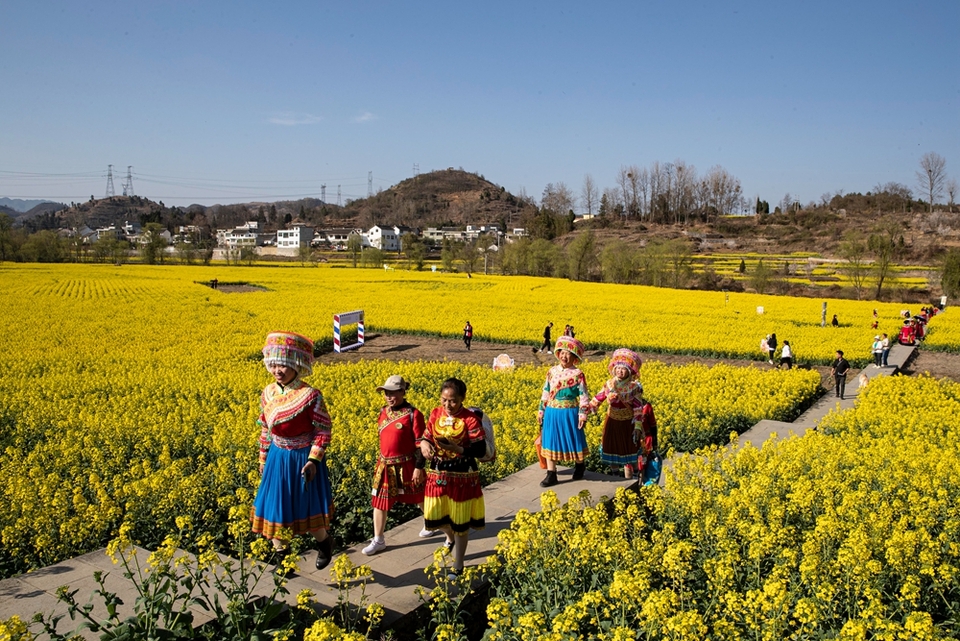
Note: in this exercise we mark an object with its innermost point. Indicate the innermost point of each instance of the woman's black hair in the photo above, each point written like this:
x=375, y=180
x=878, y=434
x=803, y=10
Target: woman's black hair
x=458, y=386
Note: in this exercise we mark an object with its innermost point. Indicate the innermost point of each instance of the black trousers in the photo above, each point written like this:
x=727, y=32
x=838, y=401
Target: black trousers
x=841, y=383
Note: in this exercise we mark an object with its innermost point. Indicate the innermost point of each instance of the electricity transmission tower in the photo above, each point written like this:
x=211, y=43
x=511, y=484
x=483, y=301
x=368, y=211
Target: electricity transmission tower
x=127, y=184
x=110, y=190
x=323, y=194
x=369, y=184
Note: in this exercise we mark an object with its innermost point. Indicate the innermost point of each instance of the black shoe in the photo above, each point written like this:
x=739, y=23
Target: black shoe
x=324, y=552
x=549, y=480
x=578, y=471
x=448, y=545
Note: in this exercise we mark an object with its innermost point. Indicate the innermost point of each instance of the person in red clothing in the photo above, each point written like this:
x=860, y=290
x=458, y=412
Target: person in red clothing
x=399, y=475
x=295, y=495
x=453, y=499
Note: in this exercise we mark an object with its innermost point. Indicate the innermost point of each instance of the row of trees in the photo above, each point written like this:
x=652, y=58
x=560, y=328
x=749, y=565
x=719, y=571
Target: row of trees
x=671, y=193
x=674, y=193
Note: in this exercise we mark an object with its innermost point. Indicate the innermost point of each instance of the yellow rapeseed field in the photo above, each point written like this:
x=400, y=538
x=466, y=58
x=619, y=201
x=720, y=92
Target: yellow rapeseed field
x=130, y=392
x=852, y=532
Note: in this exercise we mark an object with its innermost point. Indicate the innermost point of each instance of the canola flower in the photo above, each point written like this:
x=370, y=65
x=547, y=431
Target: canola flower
x=131, y=396
x=851, y=532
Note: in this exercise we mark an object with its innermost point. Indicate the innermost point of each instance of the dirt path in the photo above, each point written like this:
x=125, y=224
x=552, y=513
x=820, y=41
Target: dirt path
x=397, y=347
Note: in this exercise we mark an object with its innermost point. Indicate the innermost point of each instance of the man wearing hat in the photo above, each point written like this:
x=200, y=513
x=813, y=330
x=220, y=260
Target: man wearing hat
x=399, y=474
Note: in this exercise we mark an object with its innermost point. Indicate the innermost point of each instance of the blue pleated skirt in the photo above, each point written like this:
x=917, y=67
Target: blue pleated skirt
x=286, y=500
x=560, y=439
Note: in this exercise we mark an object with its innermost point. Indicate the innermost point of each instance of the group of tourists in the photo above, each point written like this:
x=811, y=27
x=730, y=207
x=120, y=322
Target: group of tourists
x=769, y=346
x=431, y=462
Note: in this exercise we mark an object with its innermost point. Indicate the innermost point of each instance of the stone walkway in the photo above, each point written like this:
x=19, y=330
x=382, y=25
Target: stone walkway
x=398, y=570
x=759, y=433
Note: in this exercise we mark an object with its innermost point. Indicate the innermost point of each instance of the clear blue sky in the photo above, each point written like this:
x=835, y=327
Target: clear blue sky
x=240, y=101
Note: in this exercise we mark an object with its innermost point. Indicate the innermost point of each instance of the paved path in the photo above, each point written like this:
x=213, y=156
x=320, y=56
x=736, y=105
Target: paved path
x=759, y=433
x=398, y=570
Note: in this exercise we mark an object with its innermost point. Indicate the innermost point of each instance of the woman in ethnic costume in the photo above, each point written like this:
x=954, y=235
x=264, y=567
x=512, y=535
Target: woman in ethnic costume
x=564, y=406
x=452, y=442
x=622, y=433
x=399, y=476
x=295, y=496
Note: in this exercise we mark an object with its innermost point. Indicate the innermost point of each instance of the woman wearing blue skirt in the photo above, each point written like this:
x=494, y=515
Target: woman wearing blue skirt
x=564, y=405
x=295, y=496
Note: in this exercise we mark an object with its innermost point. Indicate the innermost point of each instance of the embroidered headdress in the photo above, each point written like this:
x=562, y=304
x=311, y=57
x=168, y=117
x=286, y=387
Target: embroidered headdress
x=570, y=344
x=625, y=358
x=291, y=350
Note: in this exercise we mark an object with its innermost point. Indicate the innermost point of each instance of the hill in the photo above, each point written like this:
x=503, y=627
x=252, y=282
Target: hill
x=448, y=197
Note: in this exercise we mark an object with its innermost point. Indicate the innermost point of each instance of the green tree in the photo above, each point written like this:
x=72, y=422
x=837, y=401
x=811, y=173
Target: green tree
x=6, y=237
x=653, y=264
x=679, y=256
x=885, y=246
x=304, y=254
x=45, y=246
x=448, y=255
x=354, y=247
x=416, y=252
x=582, y=256
x=152, y=244
x=618, y=261
x=761, y=277
x=515, y=257
x=544, y=258
x=372, y=257
x=853, y=249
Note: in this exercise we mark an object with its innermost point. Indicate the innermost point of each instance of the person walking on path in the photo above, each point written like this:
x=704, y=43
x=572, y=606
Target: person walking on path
x=467, y=334
x=622, y=428
x=771, y=347
x=547, y=342
x=877, y=350
x=564, y=405
x=786, y=356
x=839, y=371
x=885, y=344
x=399, y=474
x=453, y=499
x=295, y=495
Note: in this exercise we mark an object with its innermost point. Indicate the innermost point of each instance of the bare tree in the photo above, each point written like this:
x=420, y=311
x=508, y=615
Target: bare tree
x=628, y=190
x=557, y=198
x=682, y=196
x=951, y=193
x=589, y=195
x=932, y=175
x=723, y=192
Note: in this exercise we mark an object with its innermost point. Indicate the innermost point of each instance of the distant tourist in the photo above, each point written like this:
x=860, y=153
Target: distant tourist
x=547, y=342
x=786, y=356
x=467, y=334
x=835, y=322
